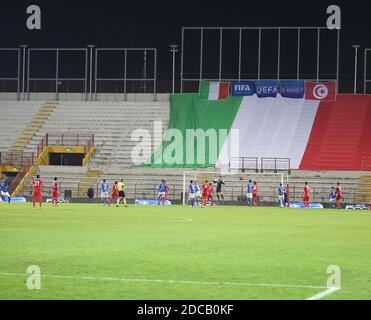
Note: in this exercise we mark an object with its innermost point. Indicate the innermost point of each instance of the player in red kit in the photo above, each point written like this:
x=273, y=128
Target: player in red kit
x=339, y=195
x=55, y=191
x=37, y=191
x=205, y=194
x=114, y=194
x=211, y=194
x=306, y=195
x=255, y=192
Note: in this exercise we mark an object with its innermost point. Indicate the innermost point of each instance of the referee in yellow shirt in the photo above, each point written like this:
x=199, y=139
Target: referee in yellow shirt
x=122, y=195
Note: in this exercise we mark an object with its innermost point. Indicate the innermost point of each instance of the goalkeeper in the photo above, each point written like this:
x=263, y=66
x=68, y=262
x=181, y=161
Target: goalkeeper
x=219, y=184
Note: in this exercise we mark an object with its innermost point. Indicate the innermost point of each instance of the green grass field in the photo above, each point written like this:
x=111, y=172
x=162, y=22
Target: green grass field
x=94, y=252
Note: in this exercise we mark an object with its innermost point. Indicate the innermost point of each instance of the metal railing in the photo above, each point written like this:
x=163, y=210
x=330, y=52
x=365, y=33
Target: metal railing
x=24, y=161
x=244, y=163
x=16, y=159
x=266, y=164
x=275, y=164
x=66, y=139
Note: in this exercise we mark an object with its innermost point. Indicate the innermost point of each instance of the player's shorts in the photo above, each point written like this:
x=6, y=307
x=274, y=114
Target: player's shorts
x=55, y=194
x=104, y=195
x=162, y=194
x=122, y=194
x=218, y=190
x=249, y=195
x=5, y=194
x=281, y=197
x=338, y=198
x=191, y=196
x=115, y=195
x=306, y=199
x=37, y=194
x=198, y=194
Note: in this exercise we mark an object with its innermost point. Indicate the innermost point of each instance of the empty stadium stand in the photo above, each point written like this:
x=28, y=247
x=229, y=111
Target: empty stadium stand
x=328, y=142
x=111, y=122
x=15, y=116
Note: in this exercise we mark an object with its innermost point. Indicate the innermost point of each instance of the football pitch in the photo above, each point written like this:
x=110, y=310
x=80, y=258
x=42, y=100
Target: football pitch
x=87, y=251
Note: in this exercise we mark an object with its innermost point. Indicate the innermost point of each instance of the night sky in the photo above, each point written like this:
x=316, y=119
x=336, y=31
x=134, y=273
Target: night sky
x=158, y=23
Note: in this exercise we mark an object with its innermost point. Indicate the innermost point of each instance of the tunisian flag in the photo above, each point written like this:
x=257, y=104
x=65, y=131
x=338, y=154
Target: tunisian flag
x=324, y=91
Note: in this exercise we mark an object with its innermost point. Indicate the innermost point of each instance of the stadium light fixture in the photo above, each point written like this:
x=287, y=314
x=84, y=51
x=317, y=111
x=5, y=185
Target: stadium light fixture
x=173, y=50
x=356, y=47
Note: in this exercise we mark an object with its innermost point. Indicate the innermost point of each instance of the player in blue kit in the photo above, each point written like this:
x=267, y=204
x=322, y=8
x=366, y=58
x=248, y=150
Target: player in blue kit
x=192, y=193
x=281, y=195
x=5, y=191
x=1, y=187
x=249, y=190
x=197, y=192
x=162, y=190
x=104, y=192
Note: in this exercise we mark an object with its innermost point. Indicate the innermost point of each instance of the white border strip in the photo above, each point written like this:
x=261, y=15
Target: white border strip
x=324, y=294
x=186, y=282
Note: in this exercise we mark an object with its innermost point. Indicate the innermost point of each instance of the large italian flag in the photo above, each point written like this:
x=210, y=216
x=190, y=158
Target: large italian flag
x=214, y=90
x=302, y=130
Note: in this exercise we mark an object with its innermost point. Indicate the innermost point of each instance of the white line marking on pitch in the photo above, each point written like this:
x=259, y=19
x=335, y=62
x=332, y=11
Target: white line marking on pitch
x=179, y=220
x=188, y=282
x=324, y=293
x=182, y=219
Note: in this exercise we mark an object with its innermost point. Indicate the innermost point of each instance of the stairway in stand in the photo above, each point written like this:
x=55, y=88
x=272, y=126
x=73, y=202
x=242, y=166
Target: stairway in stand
x=32, y=128
x=89, y=180
x=363, y=194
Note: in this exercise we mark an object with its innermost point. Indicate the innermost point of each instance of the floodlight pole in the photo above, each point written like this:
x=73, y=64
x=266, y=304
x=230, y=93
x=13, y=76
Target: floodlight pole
x=356, y=47
x=24, y=46
x=91, y=47
x=173, y=50
x=144, y=73
x=365, y=71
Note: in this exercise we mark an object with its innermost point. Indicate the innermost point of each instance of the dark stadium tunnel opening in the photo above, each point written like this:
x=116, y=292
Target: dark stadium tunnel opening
x=66, y=159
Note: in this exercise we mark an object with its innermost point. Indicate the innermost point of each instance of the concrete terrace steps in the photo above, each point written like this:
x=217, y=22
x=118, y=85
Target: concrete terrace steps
x=143, y=182
x=15, y=116
x=26, y=136
x=112, y=128
x=68, y=178
x=363, y=194
x=89, y=180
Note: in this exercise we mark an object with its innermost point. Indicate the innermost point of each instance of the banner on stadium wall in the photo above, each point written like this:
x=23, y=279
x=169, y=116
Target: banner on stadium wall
x=311, y=206
x=15, y=200
x=267, y=88
x=324, y=91
x=292, y=89
x=243, y=88
x=150, y=202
